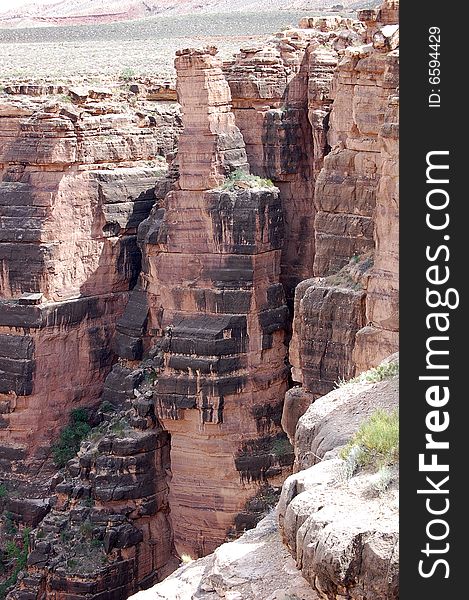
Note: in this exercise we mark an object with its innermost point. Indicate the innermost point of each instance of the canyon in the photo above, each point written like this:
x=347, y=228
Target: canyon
x=186, y=274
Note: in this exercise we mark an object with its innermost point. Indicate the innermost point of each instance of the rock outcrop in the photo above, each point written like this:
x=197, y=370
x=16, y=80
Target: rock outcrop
x=342, y=529
x=165, y=274
x=76, y=181
x=281, y=102
x=256, y=566
x=107, y=532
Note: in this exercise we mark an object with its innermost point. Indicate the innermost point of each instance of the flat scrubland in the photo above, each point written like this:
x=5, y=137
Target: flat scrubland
x=126, y=50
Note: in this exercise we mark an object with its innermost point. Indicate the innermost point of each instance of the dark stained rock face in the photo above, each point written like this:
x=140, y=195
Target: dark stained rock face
x=76, y=180
x=108, y=530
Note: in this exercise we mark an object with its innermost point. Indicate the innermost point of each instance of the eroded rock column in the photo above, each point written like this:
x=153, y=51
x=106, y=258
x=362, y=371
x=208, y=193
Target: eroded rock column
x=216, y=312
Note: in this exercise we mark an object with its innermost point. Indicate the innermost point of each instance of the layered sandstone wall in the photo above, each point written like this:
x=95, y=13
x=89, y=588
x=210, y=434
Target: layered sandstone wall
x=184, y=274
x=76, y=181
x=346, y=319
x=334, y=534
x=106, y=530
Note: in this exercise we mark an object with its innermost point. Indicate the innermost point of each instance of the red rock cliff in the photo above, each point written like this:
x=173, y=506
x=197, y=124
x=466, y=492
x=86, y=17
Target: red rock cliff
x=281, y=102
x=193, y=304
x=346, y=320
x=76, y=181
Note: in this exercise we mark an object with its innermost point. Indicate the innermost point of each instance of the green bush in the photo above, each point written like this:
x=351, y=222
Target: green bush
x=376, y=443
x=71, y=437
x=382, y=371
x=239, y=176
x=119, y=428
x=150, y=376
x=10, y=526
x=86, y=530
x=281, y=446
x=20, y=556
x=79, y=415
x=107, y=407
x=3, y=491
x=66, y=536
x=89, y=502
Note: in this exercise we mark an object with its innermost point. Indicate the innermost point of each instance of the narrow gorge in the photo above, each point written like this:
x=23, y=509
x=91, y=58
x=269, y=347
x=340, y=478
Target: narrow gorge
x=189, y=275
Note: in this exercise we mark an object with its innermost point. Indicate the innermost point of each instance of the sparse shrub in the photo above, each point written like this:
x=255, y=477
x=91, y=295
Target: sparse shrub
x=380, y=481
x=65, y=536
x=71, y=437
x=107, y=407
x=240, y=177
x=3, y=491
x=95, y=543
x=10, y=526
x=12, y=550
x=375, y=375
x=150, y=376
x=20, y=556
x=119, y=428
x=352, y=459
x=344, y=279
x=86, y=529
x=89, y=502
x=281, y=446
x=376, y=443
x=127, y=74
x=269, y=495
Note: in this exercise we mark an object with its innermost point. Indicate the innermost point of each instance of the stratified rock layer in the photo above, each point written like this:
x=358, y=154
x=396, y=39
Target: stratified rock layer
x=346, y=321
x=76, y=181
x=182, y=274
x=107, y=531
x=342, y=530
x=342, y=533
x=381, y=336
x=215, y=311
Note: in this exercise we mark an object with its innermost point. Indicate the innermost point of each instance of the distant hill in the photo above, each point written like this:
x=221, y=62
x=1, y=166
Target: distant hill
x=79, y=12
